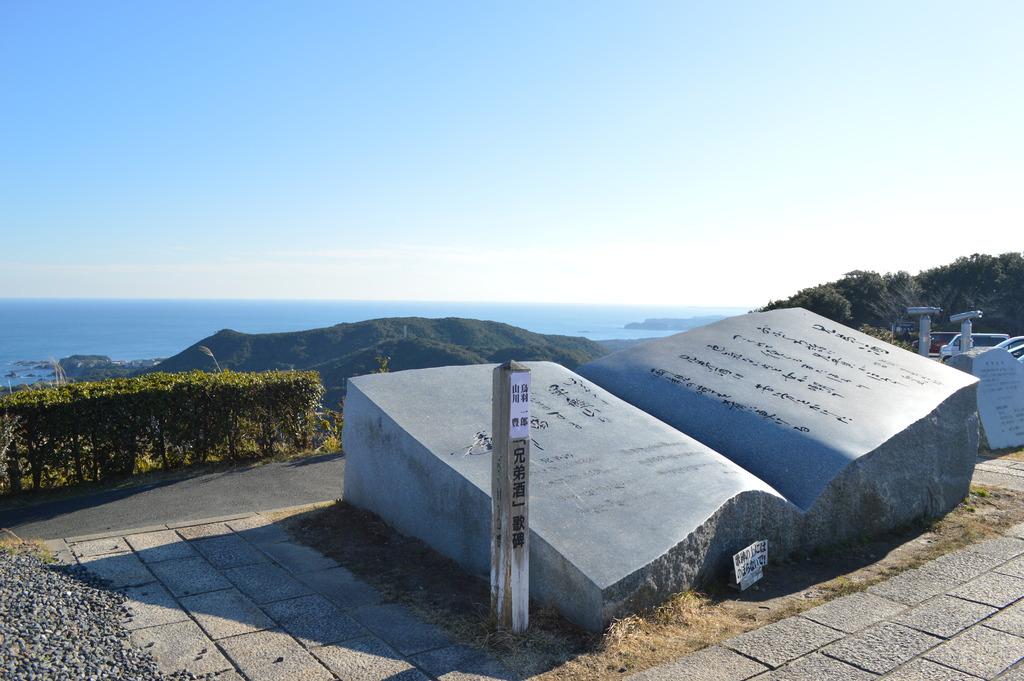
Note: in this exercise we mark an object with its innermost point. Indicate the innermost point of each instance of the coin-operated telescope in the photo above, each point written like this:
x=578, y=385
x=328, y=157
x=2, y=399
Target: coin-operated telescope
x=924, y=335
x=966, y=342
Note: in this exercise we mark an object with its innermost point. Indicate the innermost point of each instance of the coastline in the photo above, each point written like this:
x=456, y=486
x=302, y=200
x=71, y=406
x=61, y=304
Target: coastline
x=34, y=332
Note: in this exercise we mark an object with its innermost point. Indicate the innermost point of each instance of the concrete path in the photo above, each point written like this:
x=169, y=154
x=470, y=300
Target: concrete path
x=255, y=488
x=236, y=598
x=958, y=618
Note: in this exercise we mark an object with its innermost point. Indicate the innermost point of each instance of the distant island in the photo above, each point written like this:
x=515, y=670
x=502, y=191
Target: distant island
x=668, y=324
x=98, y=367
x=77, y=368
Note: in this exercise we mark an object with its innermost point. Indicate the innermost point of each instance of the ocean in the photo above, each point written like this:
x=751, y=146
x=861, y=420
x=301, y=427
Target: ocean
x=33, y=331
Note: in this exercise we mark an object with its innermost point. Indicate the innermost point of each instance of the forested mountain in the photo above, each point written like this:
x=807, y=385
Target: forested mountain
x=992, y=283
x=344, y=350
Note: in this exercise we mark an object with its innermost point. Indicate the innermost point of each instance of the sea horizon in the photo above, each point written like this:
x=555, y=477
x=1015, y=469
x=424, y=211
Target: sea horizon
x=42, y=329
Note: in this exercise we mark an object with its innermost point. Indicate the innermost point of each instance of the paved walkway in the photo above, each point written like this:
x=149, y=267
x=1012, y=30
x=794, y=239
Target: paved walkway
x=254, y=488
x=1000, y=472
x=235, y=597
x=958, y=618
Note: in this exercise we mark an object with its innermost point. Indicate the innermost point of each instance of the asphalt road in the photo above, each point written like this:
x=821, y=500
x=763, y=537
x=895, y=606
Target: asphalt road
x=255, y=488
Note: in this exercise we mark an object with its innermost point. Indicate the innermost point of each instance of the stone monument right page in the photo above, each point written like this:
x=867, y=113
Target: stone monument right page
x=860, y=434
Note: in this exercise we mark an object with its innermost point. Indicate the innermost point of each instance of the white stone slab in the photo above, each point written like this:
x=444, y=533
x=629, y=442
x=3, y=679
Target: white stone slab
x=1000, y=394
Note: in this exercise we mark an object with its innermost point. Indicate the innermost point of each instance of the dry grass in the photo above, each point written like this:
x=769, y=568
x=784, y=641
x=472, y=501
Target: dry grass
x=1011, y=454
x=409, y=572
x=687, y=622
x=12, y=543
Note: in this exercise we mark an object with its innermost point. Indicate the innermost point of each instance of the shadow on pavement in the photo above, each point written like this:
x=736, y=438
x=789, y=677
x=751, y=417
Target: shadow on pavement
x=242, y=595
x=180, y=497
x=45, y=510
x=311, y=460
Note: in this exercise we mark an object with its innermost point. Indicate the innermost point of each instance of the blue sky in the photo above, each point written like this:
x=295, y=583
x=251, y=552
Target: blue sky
x=672, y=153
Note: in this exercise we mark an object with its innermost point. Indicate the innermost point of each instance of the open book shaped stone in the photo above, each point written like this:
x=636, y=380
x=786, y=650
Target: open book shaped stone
x=623, y=508
x=779, y=426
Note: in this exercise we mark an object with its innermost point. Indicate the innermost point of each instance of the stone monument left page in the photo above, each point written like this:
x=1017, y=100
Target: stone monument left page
x=624, y=510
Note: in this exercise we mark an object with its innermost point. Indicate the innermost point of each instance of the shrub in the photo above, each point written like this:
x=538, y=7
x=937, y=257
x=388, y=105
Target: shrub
x=887, y=336
x=106, y=429
x=8, y=423
x=332, y=421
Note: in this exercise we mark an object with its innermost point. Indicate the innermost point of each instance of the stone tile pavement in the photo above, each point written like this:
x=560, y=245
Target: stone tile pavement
x=957, y=618
x=999, y=472
x=234, y=597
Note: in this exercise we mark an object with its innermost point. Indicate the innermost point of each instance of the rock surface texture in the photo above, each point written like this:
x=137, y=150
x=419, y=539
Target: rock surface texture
x=624, y=510
x=1000, y=394
x=859, y=434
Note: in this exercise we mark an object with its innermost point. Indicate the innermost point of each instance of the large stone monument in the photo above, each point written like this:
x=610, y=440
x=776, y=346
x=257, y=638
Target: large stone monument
x=624, y=510
x=675, y=454
x=1000, y=394
x=860, y=435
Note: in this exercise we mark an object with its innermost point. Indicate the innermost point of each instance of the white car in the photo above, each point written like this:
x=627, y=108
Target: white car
x=1016, y=340
x=1014, y=346
x=978, y=340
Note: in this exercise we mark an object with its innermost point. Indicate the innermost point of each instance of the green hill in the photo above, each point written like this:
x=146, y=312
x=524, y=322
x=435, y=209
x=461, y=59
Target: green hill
x=345, y=350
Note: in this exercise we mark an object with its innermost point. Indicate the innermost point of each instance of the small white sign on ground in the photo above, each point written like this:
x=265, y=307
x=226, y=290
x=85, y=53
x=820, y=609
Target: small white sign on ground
x=749, y=563
x=519, y=426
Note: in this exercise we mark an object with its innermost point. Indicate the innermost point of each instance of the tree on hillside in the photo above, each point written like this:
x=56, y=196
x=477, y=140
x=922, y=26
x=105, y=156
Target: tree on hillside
x=966, y=283
x=1009, y=296
x=864, y=290
x=902, y=291
x=991, y=283
x=986, y=282
x=824, y=299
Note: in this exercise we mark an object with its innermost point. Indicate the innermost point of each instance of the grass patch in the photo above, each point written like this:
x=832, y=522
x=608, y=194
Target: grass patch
x=841, y=586
x=1010, y=454
x=407, y=571
x=11, y=543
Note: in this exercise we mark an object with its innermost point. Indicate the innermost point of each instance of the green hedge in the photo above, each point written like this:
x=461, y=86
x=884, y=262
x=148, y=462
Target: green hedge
x=105, y=429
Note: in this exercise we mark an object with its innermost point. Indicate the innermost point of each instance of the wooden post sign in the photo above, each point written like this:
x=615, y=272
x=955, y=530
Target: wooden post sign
x=510, y=492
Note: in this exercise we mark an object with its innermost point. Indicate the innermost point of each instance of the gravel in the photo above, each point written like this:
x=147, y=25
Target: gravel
x=58, y=622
